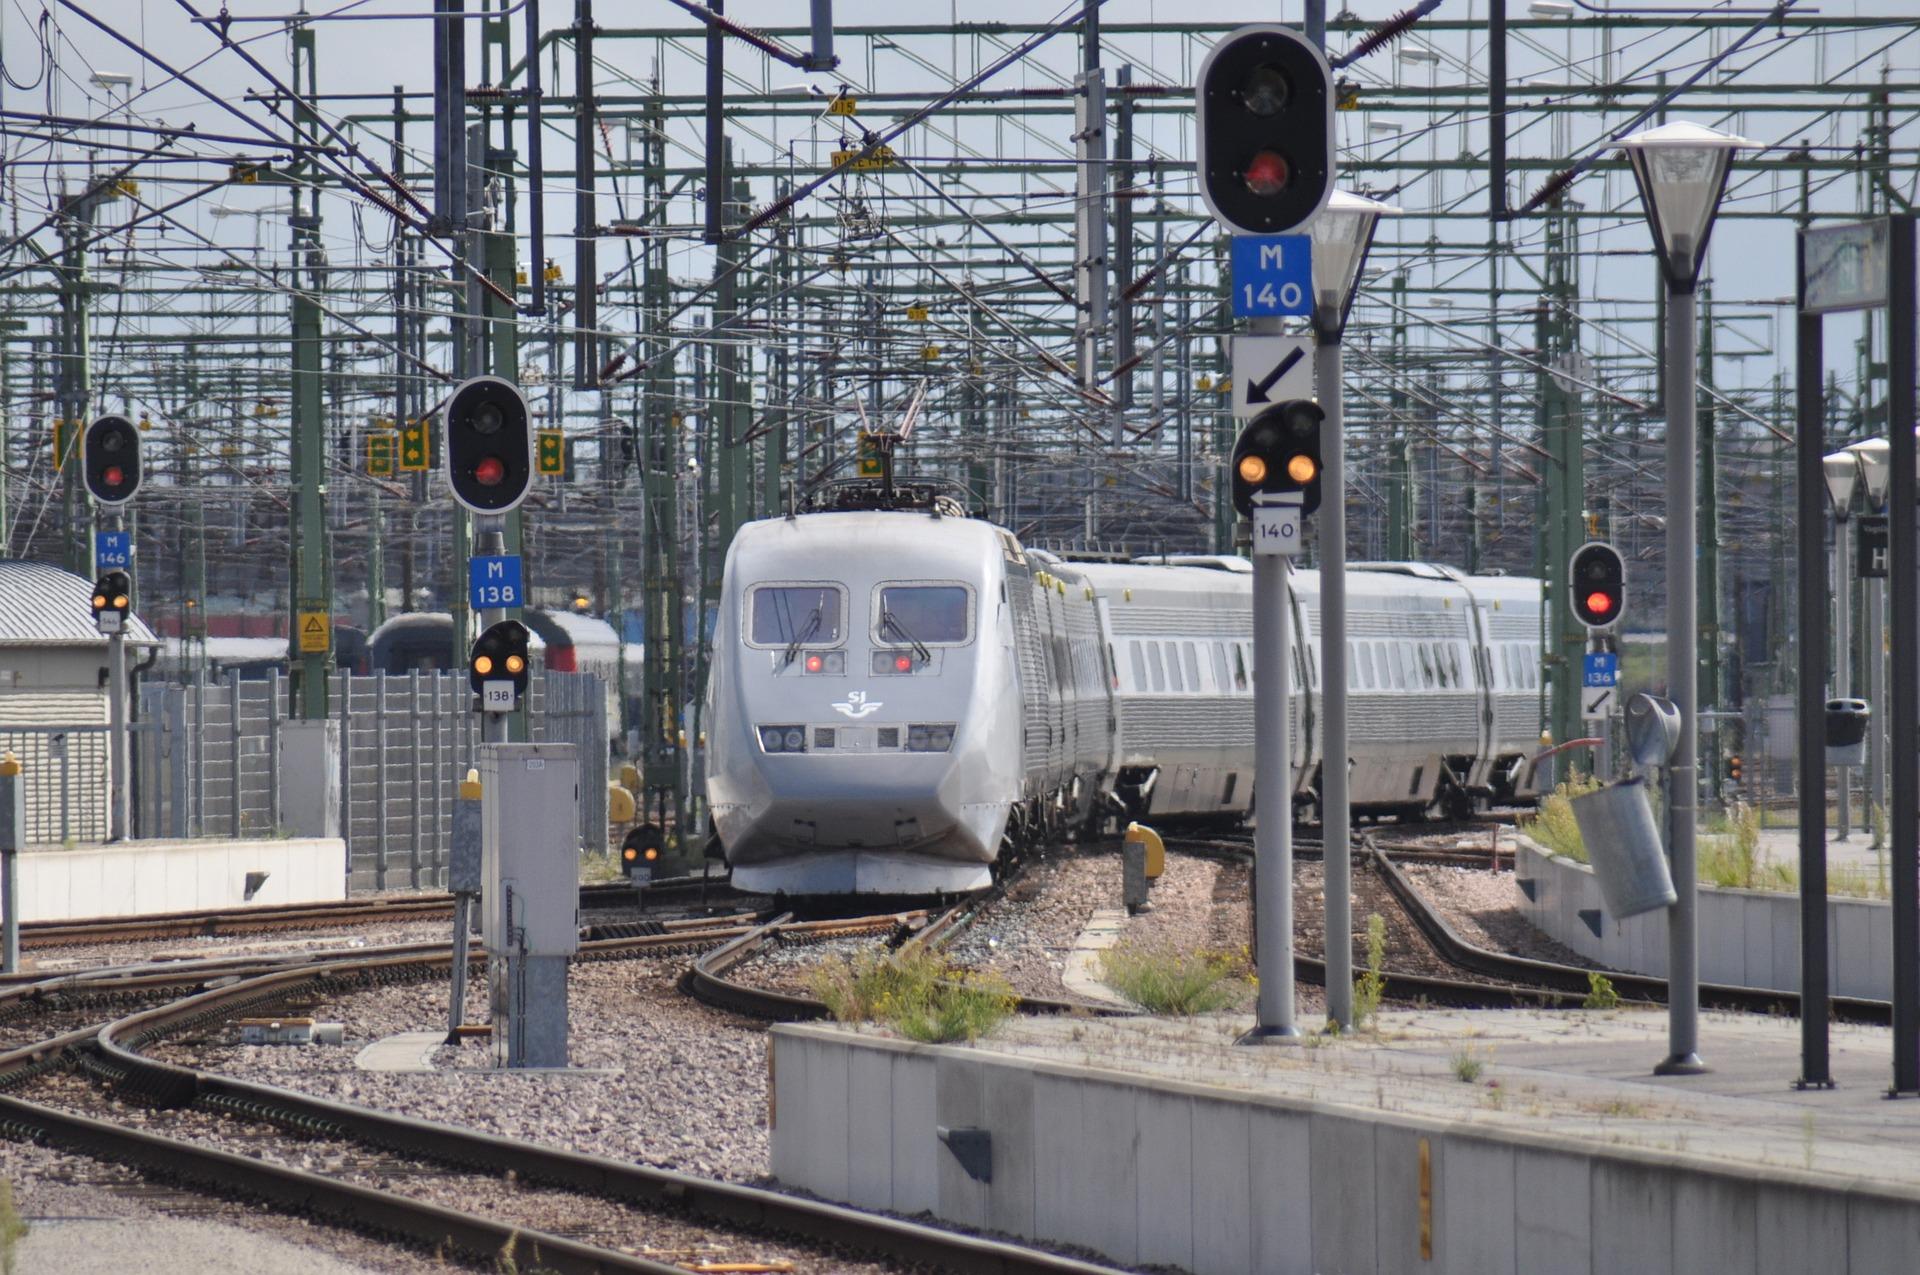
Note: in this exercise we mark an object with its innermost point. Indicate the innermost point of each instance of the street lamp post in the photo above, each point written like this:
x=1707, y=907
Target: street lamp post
x=1342, y=233
x=1842, y=472
x=1681, y=170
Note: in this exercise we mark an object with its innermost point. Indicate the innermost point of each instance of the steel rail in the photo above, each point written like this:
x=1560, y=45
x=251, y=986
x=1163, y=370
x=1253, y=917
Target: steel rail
x=169, y=1084
x=210, y=922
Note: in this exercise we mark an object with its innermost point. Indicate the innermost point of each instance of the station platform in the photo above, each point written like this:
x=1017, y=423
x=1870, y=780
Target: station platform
x=1444, y=1140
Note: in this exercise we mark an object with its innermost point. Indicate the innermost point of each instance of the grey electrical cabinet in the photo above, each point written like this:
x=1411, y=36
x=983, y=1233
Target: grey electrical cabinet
x=530, y=857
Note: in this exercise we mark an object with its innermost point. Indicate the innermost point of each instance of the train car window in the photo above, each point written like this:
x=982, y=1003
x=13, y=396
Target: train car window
x=1153, y=663
x=1364, y=665
x=1173, y=667
x=1220, y=683
x=1401, y=673
x=1193, y=667
x=1139, y=665
x=930, y=613
x=1425, y=652
x=810, y=614
x=1239, y=667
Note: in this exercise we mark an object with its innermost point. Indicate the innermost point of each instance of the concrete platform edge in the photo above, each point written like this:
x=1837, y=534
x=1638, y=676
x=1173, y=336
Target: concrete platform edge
x=1286, y=1183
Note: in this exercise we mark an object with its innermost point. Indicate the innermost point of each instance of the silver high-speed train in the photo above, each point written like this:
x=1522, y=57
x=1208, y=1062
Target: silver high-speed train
x=897, y=695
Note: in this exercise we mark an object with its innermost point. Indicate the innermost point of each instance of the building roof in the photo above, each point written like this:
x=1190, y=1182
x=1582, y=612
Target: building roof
x=42, y=605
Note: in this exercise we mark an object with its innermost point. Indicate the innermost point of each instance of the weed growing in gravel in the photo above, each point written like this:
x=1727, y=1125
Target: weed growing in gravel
x=965, y=1005
x=13, y=1227
x=1554, y=827
x=917, y=993
x=1370, y=986
x=1600, y=993
x=1161, y=980
x=1467, y=1065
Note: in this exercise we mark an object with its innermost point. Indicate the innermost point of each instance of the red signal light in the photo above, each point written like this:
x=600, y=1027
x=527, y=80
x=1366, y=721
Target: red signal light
x=815, y=664
x=1266, y=173
x=490, y=472
x=115, y=476
x=903, y=662
x=1599, y=603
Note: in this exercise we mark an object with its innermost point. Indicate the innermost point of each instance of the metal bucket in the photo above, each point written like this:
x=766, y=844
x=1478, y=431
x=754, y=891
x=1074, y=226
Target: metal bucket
x=1623, y=845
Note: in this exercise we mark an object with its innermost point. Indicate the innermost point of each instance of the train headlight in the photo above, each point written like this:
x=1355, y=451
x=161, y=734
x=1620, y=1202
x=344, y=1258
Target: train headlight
x=783, y=739
x=830, y=663
x=930, y=738
x=815, y=663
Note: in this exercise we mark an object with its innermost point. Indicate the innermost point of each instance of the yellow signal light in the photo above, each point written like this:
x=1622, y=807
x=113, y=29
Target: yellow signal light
x=483, y=664
x=515, y=664
x=1253, y=469
x=652, y=853
x=629, y=853
x=99, y=601
x=1301, y=468
x=120, y=602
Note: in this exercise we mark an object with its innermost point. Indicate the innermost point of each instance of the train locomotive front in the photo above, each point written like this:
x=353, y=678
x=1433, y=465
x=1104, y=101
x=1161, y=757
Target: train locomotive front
x=863, y=709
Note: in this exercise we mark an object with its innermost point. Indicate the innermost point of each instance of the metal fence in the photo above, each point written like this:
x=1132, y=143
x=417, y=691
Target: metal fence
x=66, y=770
x=212, y=762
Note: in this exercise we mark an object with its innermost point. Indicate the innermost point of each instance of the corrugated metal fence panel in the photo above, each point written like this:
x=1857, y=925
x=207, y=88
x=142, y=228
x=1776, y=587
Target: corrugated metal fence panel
x=406, y=741
x=573, y=710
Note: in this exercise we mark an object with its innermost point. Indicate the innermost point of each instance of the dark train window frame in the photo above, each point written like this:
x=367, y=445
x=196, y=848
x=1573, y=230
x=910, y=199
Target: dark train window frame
x=876, y=606
x=819, y=642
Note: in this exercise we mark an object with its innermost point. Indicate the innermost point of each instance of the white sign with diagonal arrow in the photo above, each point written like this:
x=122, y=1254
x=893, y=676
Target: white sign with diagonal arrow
x=1269, y=370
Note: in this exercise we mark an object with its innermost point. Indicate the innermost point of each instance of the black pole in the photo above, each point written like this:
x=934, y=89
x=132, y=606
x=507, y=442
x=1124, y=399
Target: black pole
x=716, y=97
x=1904, y=620
x=1810, y=486
x=536, y=180
x=1497, y=114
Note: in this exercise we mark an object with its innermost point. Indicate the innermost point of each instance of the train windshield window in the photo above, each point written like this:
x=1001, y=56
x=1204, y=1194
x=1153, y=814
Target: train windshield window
x=810, y=614
x=931, y=612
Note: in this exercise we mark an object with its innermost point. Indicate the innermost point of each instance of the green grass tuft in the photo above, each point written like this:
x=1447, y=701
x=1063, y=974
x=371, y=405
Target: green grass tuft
x=1600, y=993
x=916, y=993
x=1163, y=981
x=1371, y=985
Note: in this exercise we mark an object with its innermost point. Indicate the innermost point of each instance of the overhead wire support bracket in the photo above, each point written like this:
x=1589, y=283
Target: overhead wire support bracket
x=765, y=43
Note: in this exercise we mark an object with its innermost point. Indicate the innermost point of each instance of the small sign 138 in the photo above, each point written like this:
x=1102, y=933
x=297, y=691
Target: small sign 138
x=496, y=697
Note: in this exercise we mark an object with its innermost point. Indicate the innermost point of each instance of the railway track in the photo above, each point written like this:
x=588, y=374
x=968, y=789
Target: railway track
x=712, y=977
x=607, y=1205
x=276, y=917
x=1498, y=979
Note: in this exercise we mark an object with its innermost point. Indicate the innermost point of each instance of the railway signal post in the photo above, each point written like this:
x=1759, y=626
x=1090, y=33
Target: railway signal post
x=1264, y=116
x=110, y=456
x=490, y=463
x=1275, y=481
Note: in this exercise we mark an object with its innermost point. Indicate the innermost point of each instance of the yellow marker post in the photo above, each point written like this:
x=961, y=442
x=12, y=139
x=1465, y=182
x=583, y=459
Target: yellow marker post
x=13, y=839
x=1156, y=848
